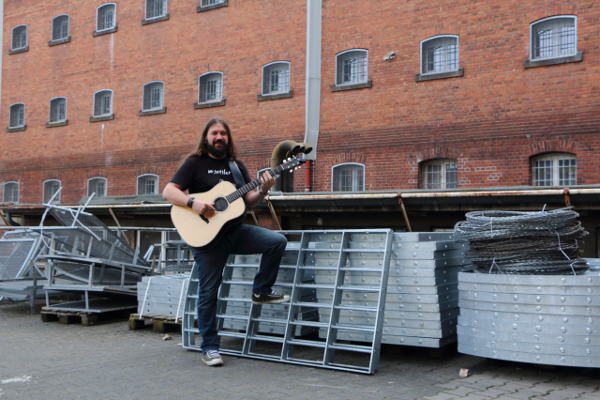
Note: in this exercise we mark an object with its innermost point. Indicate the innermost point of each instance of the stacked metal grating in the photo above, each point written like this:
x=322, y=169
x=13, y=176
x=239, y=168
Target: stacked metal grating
x=421, y=305
x=242, y=269
x=536, y=301
x=162, y=295
x=87, y=258
x=542, y=319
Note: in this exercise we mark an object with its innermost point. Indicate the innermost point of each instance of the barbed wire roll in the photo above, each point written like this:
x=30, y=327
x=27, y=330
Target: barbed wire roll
x=523, y=242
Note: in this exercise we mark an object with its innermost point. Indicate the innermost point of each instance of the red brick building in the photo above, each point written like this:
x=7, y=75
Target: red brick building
x=448, y=98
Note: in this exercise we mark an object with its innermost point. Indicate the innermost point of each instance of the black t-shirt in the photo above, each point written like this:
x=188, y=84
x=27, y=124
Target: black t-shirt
x=200, y=174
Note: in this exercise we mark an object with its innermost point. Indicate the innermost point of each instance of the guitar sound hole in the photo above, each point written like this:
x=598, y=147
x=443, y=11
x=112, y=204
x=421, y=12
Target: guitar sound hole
x=221, y=204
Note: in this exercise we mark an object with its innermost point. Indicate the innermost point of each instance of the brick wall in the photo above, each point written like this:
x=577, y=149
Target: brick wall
x=491, y=120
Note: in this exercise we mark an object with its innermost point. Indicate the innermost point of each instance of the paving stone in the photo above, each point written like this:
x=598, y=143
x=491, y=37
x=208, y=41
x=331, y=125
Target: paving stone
x=110, y=362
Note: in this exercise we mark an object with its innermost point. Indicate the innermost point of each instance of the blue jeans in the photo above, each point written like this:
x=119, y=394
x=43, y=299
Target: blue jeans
x=210, y=261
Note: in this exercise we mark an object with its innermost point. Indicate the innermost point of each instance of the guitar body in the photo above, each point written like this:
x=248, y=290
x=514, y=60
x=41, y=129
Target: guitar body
x=198, y=231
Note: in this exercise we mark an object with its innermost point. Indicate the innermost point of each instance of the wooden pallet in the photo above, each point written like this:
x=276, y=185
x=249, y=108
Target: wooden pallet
x=85, y=318
x=160, y=323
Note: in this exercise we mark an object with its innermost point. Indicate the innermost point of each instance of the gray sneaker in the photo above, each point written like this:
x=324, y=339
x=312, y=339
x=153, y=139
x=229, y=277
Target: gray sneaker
x=212, y=358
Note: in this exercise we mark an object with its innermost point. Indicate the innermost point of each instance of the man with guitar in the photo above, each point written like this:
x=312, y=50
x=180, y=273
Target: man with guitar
x=214, y=161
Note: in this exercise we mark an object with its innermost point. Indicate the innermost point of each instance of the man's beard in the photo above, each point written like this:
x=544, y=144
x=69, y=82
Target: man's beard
x=218, y=152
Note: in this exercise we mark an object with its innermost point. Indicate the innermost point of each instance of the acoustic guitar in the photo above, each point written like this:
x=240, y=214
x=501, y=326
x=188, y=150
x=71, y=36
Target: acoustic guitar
x=198, y=230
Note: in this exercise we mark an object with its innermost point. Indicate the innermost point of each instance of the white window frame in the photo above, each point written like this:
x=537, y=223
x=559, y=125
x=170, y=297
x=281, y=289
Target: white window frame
x=165, y=10
x=18, y=186
x=532, y=38
x=443, y=162
x=162, y=96
x=56, y=199
x=12, y=37
x=66, y=109
x=114, y=19
x=341, y=57
x=94, y=103
x=266, y=77
x=97, y=179
x=555, y=157
x=423, y=60
x=68, y=27
x=219, y=89
x=355, y=183
x=145, y=176
x=10, y=115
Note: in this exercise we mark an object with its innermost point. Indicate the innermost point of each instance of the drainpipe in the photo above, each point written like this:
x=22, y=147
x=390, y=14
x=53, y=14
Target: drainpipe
x=313, y=85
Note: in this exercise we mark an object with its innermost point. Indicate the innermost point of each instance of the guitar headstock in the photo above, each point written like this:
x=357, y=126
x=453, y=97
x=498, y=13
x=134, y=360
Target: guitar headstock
x=292, y=163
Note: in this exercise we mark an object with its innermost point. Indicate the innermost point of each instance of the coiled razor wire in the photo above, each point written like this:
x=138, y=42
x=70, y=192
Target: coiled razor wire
x=523, y=242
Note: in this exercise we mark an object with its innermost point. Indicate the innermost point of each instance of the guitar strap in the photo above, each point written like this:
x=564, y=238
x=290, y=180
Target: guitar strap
x=237, y=174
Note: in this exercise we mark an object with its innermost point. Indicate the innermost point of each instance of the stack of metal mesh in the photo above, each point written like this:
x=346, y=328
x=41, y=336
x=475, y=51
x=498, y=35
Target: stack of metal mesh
x=162, y=295
x=421, y=305
x=240, y=272
x=523, y=242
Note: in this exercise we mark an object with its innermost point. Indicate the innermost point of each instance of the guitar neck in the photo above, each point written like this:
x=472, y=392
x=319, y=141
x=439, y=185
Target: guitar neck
x=252, y=185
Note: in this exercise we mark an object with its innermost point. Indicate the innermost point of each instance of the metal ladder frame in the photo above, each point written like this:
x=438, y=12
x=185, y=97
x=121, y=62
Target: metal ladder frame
x=250, y=337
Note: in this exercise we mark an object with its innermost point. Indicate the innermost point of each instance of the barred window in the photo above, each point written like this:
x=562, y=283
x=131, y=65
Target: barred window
x=147, y=184
x=153, y=96
x=210, y=87
x=348, y=177
x=438, y=174
x=60, y=27
x=156, y=8
x=106, y=17
x=17, y=116
x=58, y=109
x=554, y=37
x=19, y=37
x=97, y=185
x=207, y=3
x=352, y=67
x=276, y=78
x=439, y=54
x=11, y=192
x=51, y=191
x=554, y=169
x=103, y=103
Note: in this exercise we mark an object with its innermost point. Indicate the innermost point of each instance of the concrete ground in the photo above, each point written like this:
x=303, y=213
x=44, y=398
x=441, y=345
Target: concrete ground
x=53, y=361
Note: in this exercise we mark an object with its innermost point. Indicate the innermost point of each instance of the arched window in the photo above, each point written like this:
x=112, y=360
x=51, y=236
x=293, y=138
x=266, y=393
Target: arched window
x=438, y=174
x=554, y=37
x=147, y=184
x=210, y=87
x=17, y=116
x=97, y=185
x=60, y=28
x=58, y=109
x=11, y=192
x=52, y=191
x=554, y=169
x=103, y=103
x=19, y=38
x=439, y=54
x=352, y=67
x=106, y=17
x=153, y=96
x=276, y=78
x=348, y=177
